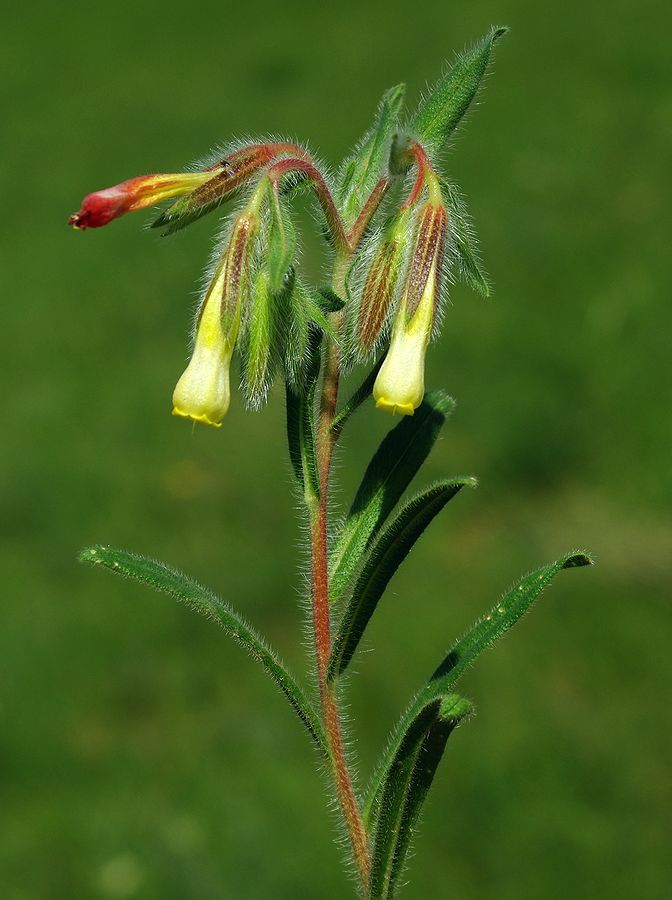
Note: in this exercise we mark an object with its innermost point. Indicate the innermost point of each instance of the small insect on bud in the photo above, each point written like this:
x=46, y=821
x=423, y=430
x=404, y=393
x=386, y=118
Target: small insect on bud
x=203, y=392
x=400, y=385
x=380, y=285
x=226, y=177
x=102, y=207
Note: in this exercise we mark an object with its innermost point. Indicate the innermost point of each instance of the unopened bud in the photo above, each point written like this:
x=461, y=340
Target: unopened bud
x=380, y=285
x=427, y=254
x=227, y=176
x=103, y=206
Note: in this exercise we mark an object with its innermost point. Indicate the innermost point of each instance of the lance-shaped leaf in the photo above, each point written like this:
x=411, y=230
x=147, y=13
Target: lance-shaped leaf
x=384, y=558
x=408, y=781
x=301, y=425
x=389, y=473
x=514, y=604
x=187, y=591
x=441, y=111
x=462, y=242
x=369, y=161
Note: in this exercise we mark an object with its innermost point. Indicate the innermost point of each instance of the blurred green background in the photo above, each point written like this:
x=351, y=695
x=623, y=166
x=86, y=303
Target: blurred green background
x=141, y=754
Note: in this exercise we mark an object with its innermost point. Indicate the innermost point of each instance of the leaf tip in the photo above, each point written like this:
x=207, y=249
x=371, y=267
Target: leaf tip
x=497, y=32
x=90, y=554
x=440, y=401
x=455, y=709
x=578, y=559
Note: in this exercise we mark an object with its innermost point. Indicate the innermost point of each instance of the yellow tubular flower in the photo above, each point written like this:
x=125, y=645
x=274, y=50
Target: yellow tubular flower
x=400, y=385
x=203, y=392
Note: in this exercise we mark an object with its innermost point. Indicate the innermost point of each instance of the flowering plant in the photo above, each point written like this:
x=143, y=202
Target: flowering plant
x=396, y=229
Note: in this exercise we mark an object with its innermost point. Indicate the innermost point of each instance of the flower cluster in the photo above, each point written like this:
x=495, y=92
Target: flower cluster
x=254, y=300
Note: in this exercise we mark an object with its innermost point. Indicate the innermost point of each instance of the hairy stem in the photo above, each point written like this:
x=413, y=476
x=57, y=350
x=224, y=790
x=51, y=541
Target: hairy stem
x=320, y=596
x=306, y=169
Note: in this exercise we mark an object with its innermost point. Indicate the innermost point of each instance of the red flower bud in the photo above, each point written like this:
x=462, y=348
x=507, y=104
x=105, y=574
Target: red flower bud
x=103, y=206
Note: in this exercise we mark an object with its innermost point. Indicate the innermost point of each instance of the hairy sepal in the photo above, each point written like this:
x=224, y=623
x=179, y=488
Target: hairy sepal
x=369, y=161
x=462, y=247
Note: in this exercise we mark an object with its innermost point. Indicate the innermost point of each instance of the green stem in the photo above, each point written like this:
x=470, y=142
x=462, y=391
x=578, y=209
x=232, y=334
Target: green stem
x=320, y=596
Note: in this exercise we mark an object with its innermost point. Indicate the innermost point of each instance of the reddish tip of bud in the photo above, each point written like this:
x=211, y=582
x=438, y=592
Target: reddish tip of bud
x=102, y=207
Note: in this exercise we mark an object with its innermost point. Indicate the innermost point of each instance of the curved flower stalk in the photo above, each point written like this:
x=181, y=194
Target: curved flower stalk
x=261, y=306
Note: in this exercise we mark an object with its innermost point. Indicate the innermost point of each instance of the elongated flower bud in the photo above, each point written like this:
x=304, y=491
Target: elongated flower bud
x=380, y=285
x=427, y=255
x=102, y=207
x=203, y=392
x=400, y=385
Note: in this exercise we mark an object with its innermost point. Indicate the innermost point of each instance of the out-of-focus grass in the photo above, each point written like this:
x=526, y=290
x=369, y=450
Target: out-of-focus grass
x=140, y=754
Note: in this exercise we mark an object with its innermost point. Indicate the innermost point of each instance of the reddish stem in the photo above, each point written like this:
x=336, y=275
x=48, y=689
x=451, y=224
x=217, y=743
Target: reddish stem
x=284, y=166
x=424, y=167
x=368, y=211
x=320, y=595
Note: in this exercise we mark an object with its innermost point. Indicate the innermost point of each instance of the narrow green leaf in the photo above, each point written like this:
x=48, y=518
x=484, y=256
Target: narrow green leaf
x=445, y=105
x=386, y=555
x=369, y=162
x=463, y=241
x=389, y=473
x=485, y=632
x=187, y=591
x=301, y=425
x=408, y=781
x=362, y=393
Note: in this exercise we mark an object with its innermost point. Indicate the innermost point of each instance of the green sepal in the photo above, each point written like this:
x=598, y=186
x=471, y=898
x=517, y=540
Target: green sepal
x=384, y=558
x=361, y=172
x=462, y=241
x=293, y=304
x=389, y=473
x=169, y=581
x=184, y=212
x=301, y=424
x=281, y=245
x=406, y=786
x=514, y=604
x=441, y=111
x=259, y=346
